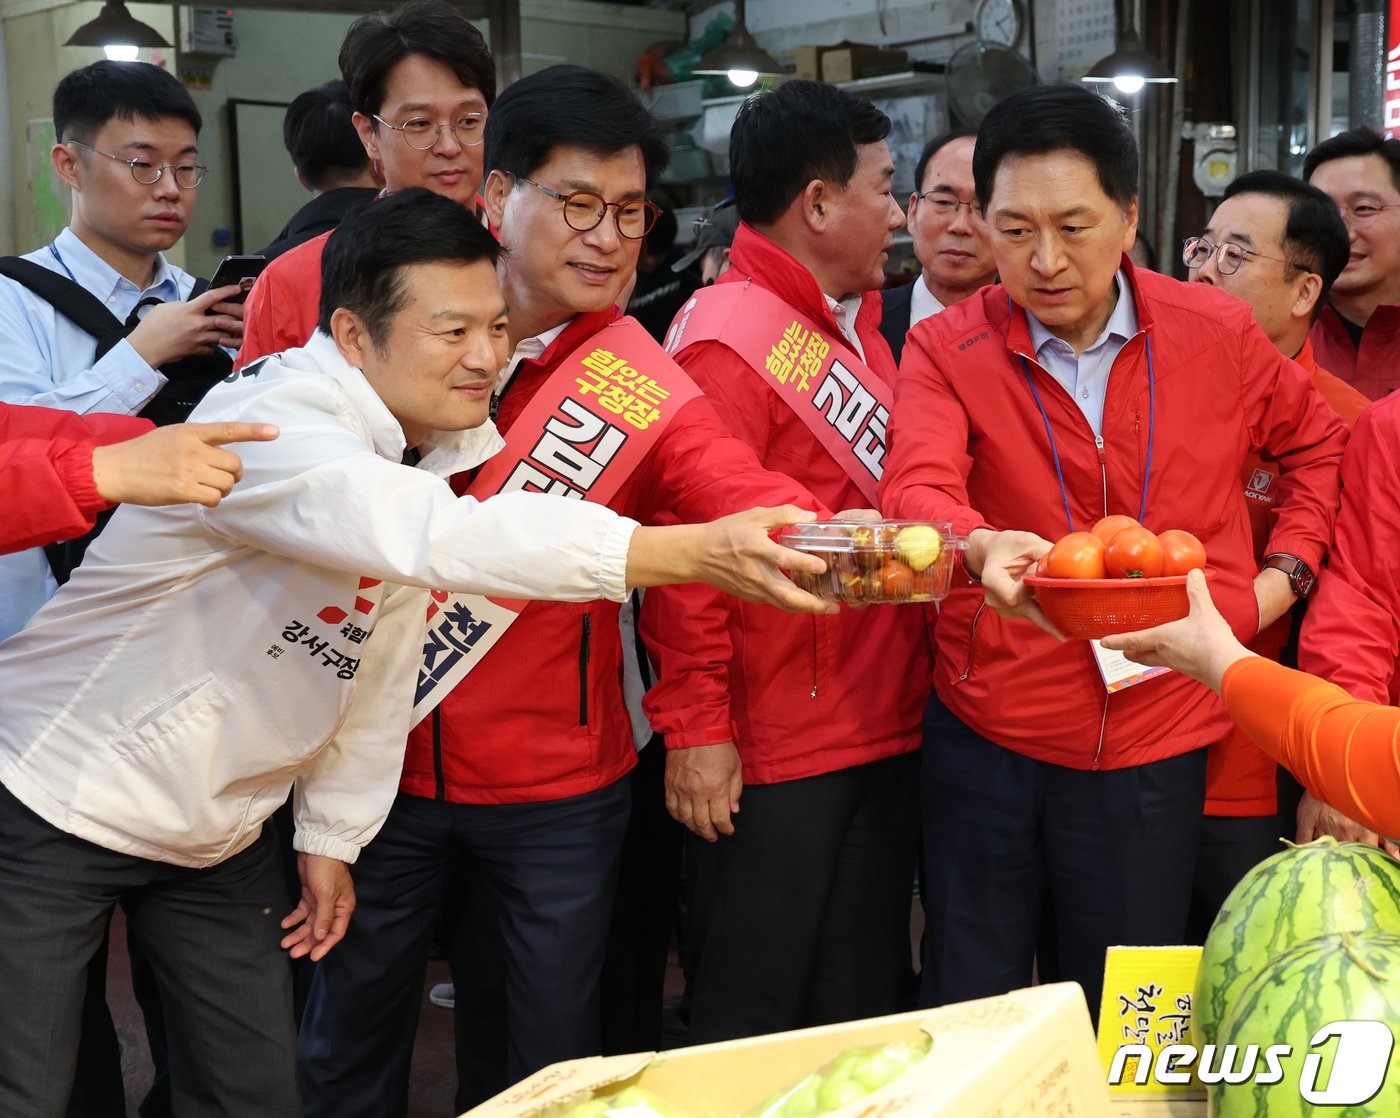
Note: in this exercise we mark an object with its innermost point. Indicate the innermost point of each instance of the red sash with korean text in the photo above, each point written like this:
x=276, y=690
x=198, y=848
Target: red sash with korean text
x=582, y=434
x=841, y=401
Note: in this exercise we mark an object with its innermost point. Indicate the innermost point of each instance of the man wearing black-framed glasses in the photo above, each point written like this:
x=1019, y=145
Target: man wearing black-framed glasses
x=592, y=408
x=950, y=238
x=1279, y=244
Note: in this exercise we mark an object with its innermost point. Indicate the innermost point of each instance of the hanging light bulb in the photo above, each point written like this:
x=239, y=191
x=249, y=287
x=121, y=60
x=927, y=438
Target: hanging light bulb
x=121, y=52
x=739, y=58
x=116, y=29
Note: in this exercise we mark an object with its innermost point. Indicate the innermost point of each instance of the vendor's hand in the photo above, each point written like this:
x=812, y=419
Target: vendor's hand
x=734, y=554
x=322, y=915
x=1200, y=645
x=169, y=331
x=171, y=465
x=1000, y=560
x=703, y=785
x=1316, y=819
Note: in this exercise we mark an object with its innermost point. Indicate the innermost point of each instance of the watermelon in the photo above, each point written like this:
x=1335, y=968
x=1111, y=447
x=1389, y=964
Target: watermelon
x=1345, y=977
x=1305, y=891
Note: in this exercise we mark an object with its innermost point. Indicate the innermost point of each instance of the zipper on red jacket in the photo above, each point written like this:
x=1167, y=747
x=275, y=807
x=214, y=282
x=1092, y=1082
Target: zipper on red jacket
x=972, y=639
x=583, y=654
x=440, y=783
x=1103, y=470
x=1103, y=726
x=816, y=634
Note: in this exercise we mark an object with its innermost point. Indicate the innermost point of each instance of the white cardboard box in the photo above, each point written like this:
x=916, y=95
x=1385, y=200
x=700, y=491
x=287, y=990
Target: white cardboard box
x=1028, y=1054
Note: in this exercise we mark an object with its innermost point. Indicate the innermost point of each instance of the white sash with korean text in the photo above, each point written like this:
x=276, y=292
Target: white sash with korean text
x=588, y=427
x=841, y=401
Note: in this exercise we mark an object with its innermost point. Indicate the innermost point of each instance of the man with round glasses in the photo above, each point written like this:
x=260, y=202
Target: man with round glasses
x=950, y=238
x=1357, y=335
x=1279, y=244
x=521, y=773
x=421, y=85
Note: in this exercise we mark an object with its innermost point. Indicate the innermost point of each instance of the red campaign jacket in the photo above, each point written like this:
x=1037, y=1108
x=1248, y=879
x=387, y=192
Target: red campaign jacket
x=46, y=483
x=285, y=303
x=542, y=717
x=1373, y=369
x=798, y=694
x=1240, y=777
x=968, y=444
x=1351, y=635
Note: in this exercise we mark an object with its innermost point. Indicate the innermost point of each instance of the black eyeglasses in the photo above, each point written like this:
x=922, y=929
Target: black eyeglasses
x=584, y=210
x=947, y=205
x=469, y=129
x=187, y=175
x=1197, y=250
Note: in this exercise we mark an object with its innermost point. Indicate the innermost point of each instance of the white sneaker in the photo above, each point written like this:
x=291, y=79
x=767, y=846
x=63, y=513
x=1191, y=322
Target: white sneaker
x=444, y=994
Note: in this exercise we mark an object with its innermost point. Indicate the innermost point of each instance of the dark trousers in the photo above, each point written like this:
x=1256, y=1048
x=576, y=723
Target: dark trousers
x=1112, y=854
x=1233, y=845
x=801, y=917
x=553, y=869
x=211, y=937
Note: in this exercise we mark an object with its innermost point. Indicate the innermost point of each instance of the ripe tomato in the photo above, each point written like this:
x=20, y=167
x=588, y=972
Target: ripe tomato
x=896, y=580
x=1077, y=555
x=1134, y=553
x=1182, y=552
x=1110, y=526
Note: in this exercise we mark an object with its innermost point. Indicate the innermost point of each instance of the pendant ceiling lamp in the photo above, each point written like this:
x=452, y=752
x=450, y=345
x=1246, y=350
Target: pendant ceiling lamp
x=739, y=58
x=118, y=32
x=1131, y=65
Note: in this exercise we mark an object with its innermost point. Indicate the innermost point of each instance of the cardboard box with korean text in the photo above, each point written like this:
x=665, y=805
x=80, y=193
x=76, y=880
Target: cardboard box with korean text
x=1028, y=1054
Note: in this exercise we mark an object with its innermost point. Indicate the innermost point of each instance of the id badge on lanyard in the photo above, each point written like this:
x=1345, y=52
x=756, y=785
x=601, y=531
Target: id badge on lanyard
x=1117, y=671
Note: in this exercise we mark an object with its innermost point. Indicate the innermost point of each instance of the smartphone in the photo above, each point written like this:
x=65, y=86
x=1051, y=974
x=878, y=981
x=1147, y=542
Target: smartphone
x=242, y=270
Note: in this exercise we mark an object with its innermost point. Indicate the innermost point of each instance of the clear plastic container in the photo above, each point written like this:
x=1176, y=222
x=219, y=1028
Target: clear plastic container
x=876, y=562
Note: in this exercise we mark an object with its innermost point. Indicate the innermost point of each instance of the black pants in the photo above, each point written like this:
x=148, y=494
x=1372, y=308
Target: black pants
x=553, y=869
x=211, y=936
x=801, y=917
x=1111, y=852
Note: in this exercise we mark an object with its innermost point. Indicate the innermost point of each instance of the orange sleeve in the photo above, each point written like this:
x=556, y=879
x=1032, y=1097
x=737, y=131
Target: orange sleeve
x=1345, y=751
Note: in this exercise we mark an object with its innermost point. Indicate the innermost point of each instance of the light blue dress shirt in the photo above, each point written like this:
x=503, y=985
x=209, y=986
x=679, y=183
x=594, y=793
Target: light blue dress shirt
x=1085, y=377
x=46, y=360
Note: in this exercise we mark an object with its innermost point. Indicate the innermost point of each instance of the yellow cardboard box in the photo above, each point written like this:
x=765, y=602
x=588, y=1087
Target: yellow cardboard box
x=1028, y=1054
x=848, y=61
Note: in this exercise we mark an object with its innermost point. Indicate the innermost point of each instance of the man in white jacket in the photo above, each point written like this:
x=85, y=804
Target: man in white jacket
x=202, y=660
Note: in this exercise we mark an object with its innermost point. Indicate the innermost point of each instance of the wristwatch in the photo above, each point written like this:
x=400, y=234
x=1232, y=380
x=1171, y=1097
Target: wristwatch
x=1300, y=575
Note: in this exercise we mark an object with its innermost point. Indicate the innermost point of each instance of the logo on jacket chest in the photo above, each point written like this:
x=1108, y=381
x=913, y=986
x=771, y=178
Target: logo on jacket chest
x=1260, y=487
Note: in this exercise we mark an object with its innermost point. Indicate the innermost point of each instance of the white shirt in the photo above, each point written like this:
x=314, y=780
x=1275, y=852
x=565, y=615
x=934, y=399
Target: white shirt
x=1086, y=377
x=46, y=360
x=922, y=302
x=845, y=311
x=202, y=660
x=529, y=349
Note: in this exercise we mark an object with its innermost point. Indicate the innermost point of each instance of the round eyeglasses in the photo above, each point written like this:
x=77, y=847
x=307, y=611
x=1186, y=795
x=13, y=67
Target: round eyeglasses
x=947, y=205
x=187, y=175
x=469, y=129
x=584, y=210
x=1229, y=257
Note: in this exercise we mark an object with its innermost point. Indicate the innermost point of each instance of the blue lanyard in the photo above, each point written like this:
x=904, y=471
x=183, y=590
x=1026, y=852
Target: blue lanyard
x=62, y=263
x=1055, y=452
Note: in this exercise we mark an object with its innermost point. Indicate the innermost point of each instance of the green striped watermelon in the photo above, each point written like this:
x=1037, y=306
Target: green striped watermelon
x=1346, y=977
x=1305, y=891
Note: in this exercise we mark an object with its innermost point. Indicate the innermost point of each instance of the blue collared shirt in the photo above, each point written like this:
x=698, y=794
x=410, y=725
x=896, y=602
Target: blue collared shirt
x=1086, y=377
x=46, y=360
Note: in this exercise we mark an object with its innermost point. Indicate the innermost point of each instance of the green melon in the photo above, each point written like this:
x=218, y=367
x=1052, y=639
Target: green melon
x=1305, y=891
x=1331, y=978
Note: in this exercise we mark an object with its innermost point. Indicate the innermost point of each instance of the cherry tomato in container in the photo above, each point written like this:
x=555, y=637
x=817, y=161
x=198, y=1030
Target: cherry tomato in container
x=1181, y=552
x=1077, y=555
x=895, y=579
x=1134, y=553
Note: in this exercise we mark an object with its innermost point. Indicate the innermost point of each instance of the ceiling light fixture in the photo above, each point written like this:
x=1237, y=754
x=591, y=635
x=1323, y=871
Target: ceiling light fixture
x=739, y=58
x=1131, y=65
x=118, y=32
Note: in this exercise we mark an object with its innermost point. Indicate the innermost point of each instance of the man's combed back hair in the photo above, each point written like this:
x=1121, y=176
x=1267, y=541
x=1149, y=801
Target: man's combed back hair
x=1315, y=237
x=1054, y=118
x=365, y=257
x=87, y=99
x=570, y=106
x=320, y=136
x=1356, y=141
x=933, y=147
x=376, y=43
x=786, y=138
